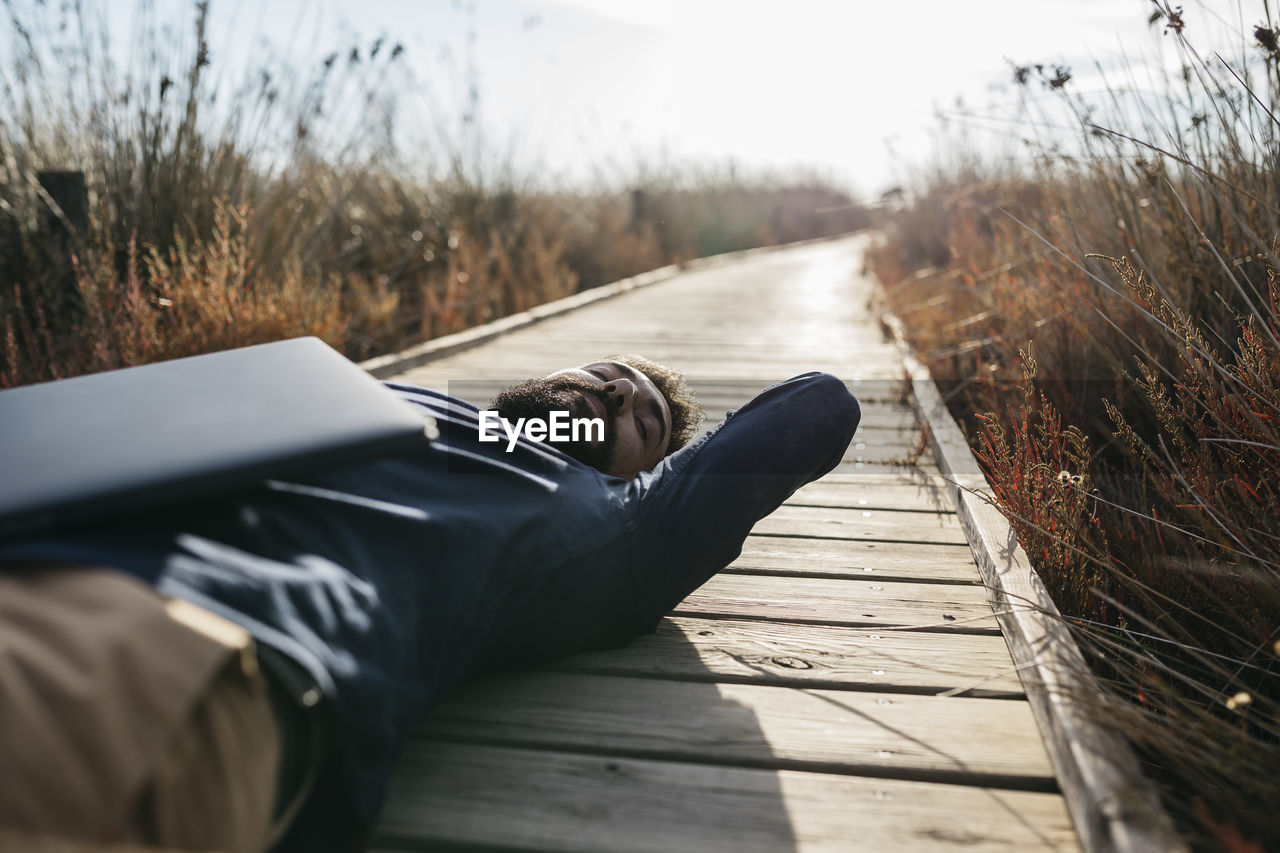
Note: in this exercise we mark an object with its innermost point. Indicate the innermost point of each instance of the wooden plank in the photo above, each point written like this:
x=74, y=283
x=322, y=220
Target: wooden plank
x=785, y=654
x=501, y=375
x=694, y=342
x=919, y=479
x=885, y=445
x=514, y=362
x=881, y=423
x=491, y=797
x=883, y=604
x=733, y=374
x=927, y=738
x=850, y=466
x=718, y=393
x=866, y=560
x=860, y=524
x=870, y=491
x=696, y=345
x=880, y=415
x=885, y=417
x=699, y=346
x=881, y=446
x=879, y=393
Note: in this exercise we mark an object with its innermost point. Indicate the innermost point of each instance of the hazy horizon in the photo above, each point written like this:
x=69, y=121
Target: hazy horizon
x=575, y=89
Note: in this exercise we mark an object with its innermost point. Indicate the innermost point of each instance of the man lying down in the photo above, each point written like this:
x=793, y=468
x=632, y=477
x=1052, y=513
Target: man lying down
x=240, y=673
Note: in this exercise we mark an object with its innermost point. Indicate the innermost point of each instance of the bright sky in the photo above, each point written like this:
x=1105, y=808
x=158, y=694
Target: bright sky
x=573, y=88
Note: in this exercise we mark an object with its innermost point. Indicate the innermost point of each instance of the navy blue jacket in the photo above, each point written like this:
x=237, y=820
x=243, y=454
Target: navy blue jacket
x=392, y=580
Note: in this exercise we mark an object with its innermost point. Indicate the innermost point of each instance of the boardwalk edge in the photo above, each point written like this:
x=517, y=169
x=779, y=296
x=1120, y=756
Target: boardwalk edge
x=1113, y=806
x=391, y=364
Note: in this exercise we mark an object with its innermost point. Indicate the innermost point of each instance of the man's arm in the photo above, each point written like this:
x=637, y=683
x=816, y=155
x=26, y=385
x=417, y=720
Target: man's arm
x=692, y=514
x=698, y=506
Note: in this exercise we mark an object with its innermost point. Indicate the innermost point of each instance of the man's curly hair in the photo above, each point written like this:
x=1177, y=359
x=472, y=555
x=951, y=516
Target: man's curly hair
x=686, y=413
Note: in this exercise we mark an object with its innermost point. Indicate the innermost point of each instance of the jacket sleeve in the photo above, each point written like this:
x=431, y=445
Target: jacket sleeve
x=698, y=506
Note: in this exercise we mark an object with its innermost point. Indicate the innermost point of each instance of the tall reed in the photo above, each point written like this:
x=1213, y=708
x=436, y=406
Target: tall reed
x=1106, y=324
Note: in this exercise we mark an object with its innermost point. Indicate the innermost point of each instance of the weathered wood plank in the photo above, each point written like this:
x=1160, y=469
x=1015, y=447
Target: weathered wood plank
x=850, y=466
x=886, y=447
x=887, y=424
x=731, y=394
x=887, y=419
x=786, y=654
x=911, y=490
x=502, y=797
x=692, y=341
x=880, y=447
x=696, y=342
x=727, y=367
x=879, y=384
x=965, y=740
x=851, y=523
x=717, y=397
x=866, y=560
x=884, y=604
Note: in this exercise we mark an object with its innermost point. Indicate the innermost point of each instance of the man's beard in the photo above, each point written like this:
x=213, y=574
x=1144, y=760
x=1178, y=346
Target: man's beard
x=564, y=392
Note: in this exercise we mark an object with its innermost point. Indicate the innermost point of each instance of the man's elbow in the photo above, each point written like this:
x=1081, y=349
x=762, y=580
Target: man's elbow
x=833, y=411
x=832, y=400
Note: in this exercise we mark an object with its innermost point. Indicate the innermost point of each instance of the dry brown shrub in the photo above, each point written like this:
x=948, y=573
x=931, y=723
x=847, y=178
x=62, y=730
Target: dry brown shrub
x=1145, y=283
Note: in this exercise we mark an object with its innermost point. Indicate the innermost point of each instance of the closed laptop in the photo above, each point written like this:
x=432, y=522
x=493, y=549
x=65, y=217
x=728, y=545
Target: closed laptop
x=122, y=440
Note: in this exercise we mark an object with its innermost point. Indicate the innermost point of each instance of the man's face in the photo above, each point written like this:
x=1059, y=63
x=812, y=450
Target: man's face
x=637, y=419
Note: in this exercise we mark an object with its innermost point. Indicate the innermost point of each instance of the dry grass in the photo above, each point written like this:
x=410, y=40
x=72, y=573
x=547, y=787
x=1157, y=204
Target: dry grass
x=1107, y=328
x=220, y=213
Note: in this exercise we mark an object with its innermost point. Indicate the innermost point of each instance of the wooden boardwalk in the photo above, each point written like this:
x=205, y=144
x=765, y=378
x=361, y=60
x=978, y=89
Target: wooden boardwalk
x=842, y=686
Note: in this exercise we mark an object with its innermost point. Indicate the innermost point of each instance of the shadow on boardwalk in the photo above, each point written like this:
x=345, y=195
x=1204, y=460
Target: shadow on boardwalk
x=551, y=761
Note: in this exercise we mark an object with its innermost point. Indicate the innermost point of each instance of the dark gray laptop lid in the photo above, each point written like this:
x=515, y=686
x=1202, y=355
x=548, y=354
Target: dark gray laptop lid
x=122, y=440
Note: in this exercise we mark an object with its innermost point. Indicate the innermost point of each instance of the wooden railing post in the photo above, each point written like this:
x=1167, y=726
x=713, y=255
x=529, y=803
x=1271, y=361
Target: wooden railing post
x=70, y=193
x=639, y=209
x=63, y=226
